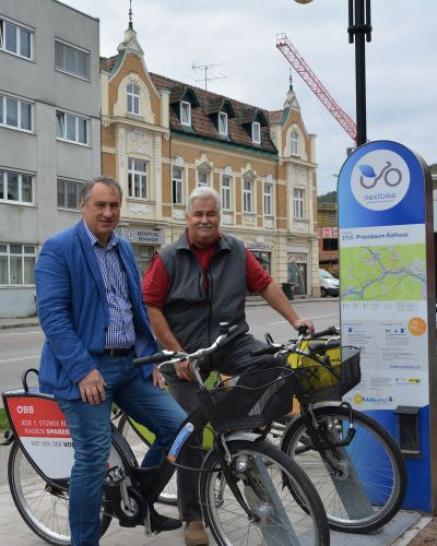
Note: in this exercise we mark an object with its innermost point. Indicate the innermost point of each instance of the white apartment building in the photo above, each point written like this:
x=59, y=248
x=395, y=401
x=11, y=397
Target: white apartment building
x=49, y=133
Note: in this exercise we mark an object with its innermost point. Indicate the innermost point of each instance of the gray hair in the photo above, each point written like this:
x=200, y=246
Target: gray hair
x=204, y=192
x=86, y=189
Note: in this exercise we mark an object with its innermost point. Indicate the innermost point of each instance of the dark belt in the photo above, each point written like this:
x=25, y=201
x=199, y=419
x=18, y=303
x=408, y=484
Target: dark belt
x=117, y=352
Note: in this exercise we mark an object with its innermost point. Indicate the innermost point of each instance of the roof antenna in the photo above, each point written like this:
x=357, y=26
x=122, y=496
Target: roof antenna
x=130, y=14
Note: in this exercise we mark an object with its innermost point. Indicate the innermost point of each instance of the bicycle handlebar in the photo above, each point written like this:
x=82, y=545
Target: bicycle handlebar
x=313, y=347
x=173, y=357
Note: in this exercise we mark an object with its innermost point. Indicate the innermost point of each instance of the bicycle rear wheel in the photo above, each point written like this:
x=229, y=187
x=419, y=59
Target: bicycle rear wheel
x=140, y=438
x=274, y=488
x=43, y=507
x=363, y=485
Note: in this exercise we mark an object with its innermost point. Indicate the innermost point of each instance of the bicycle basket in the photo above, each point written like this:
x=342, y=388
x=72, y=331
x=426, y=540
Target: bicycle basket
x=326, y=377
x=256, y=399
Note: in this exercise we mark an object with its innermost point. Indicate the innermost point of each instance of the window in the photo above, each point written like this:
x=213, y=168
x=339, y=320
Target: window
x=247, y=196
x=203, y=179
x=16, y=187
x=298, y=203
x=69, y=194
x=227, y=193
x=143, y=257
x=15, y=113
x=264, y=259
x=133, y=98
x=223, y=123
x=330, y=244
x=71, y=128
x=137, y=178
x=256, y=132
x=72, y=60
x=17, y=262
x=185, y=113
x=294, y=143
x=15, y=39
x=268, y=195
x=177, y=185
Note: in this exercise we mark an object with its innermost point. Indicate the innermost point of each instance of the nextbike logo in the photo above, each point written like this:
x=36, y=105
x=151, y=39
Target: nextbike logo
x=380, y=180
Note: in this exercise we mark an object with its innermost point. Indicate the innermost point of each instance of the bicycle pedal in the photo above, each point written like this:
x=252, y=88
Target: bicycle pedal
x=114, y=476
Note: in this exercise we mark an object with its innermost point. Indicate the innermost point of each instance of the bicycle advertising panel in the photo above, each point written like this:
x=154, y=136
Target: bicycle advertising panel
x=40, y=425
x=383, y=232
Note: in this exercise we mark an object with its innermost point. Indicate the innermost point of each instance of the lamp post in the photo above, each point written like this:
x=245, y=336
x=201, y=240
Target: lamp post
x=360, y=31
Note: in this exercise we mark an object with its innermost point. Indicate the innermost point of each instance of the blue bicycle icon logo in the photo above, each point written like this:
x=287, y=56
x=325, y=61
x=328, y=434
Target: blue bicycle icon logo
x=390, y=175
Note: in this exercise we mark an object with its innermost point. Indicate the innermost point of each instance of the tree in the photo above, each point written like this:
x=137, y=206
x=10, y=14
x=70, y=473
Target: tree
x=330, y=197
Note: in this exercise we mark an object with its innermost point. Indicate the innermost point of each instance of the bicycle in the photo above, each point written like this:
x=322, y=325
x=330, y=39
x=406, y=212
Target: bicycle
x=386, y=174
x=140, y=438
x=250, y=491
x=355, y=464
x=40, y=462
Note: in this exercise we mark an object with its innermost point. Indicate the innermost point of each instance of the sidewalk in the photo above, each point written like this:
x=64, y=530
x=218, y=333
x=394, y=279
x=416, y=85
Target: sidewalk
x=17, y=533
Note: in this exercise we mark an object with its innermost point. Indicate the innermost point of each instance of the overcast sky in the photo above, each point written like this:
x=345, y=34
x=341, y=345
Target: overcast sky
x=401, y=61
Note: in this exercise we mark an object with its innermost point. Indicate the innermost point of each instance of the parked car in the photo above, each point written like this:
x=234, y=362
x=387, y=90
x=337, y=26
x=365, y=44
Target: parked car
x=329, y=285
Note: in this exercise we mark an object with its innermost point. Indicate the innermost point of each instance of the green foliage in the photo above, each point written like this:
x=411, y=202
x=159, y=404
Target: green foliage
x=330, y=197
x=4, y=423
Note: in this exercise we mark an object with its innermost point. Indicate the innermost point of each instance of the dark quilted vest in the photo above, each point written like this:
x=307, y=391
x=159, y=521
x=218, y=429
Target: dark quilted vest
x=194, y=314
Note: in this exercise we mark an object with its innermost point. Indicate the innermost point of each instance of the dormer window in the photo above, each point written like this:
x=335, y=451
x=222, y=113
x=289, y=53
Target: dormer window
x=133, y=99
x=294, y=143
x=185, y=113
x=256, y=132
x=223, y=123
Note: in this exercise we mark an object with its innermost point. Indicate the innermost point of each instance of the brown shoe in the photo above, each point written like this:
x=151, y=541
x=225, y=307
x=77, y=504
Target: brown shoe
x=195, y=534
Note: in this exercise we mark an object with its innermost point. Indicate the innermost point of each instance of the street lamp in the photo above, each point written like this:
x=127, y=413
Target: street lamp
x=360, y=31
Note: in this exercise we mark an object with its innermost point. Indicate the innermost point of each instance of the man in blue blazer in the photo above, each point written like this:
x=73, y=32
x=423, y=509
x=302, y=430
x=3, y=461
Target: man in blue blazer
x=90, y=308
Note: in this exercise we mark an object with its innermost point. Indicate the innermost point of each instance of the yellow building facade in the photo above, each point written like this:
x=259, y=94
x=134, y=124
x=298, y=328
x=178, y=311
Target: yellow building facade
x=161, y=138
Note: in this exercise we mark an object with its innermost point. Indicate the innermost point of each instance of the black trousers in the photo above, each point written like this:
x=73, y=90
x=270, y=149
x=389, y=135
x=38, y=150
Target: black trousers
x=232, y=360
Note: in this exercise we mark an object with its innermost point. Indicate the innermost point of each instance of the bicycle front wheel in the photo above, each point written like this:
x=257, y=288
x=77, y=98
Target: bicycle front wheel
x=283, y=505
x=43, y=507
x=362, y=485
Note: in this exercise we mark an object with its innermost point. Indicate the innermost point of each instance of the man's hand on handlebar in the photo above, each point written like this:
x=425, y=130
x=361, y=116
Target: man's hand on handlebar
x=304, y=323
x=184, y=371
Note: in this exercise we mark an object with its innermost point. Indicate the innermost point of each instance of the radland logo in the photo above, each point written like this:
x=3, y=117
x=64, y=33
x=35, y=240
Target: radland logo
x=372, y=400
x=380, y=180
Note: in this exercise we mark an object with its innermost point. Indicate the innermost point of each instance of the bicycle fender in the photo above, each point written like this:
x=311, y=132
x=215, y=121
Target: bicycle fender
x=247, y=436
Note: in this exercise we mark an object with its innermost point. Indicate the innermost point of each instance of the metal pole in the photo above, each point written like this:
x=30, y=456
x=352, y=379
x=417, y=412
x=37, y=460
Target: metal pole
x=359, y=29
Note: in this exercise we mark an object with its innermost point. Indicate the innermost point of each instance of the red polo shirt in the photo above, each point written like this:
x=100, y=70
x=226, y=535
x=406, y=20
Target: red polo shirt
x=155, y=280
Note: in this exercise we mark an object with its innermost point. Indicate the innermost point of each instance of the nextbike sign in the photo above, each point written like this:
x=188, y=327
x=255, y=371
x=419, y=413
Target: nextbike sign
x=383, y=271
x=376, y=189
x=387, y=304
x=380, y=180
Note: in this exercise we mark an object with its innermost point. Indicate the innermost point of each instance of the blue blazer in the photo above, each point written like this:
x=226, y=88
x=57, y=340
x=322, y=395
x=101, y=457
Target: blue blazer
x=73, y=310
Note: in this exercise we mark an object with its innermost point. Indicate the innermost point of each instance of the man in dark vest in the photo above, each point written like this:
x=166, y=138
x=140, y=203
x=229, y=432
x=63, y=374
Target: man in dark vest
x=191, y=286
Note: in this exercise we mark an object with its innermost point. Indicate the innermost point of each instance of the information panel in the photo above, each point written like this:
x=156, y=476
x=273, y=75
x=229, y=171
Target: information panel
x=383, y=274
x=387, y=298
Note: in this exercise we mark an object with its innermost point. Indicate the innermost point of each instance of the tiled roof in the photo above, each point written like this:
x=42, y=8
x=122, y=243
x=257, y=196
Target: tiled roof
x=205, y=107
x=203, y=116
x=107, y=64
x=275, y=117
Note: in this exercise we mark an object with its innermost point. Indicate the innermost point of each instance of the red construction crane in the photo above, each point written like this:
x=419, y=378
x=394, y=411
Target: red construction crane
x=300, y=65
